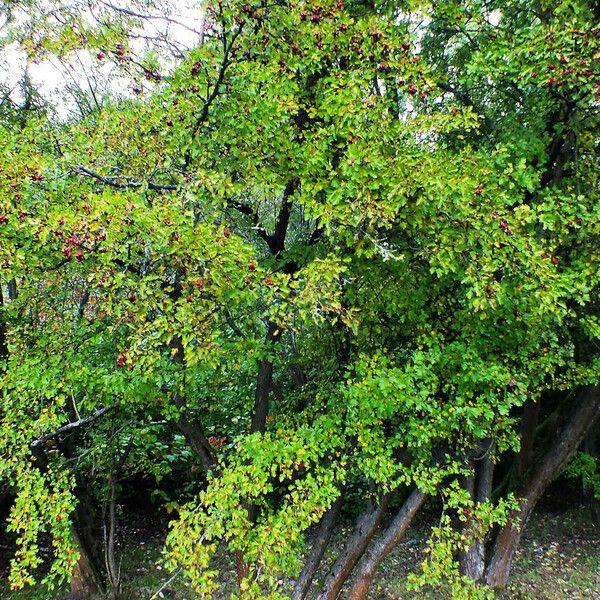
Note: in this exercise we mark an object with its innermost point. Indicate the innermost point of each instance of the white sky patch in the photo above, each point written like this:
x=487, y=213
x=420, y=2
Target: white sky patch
x=81, y=73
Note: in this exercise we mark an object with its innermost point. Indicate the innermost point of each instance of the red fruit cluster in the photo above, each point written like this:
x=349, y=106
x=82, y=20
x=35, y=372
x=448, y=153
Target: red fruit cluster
x=3, y=219
x=504, y=226
x=120, y=360
x=217, y=442
x=268, y=280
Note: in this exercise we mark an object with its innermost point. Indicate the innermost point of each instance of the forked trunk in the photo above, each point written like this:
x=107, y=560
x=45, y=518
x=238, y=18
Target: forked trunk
x=366, y=528
x=389, y=540
x=507, y=542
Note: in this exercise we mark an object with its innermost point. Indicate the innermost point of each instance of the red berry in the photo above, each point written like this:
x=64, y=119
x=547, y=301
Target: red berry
x=268, y=280
x=3, y=219
x=79, y=256
x=226, y=232
x=121, y=360
x=251, y=266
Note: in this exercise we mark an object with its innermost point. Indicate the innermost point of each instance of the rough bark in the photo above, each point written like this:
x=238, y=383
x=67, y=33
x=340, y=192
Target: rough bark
x=507, y=541
x=305, y=580
x=88, y=535
x=355, y=547
x=83, y=581
x=388, y=541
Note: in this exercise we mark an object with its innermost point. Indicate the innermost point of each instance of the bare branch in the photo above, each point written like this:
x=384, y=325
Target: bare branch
x=73, y=425
x=124, y=183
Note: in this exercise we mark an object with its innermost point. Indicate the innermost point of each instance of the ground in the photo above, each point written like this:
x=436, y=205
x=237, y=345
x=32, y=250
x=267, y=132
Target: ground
x=559, y=559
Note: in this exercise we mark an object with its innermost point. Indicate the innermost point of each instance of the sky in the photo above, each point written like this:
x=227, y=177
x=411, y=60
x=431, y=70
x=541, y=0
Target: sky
x=52, y=77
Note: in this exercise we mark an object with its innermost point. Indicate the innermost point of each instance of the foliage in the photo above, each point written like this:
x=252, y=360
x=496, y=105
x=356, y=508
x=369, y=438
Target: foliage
x=335, y=244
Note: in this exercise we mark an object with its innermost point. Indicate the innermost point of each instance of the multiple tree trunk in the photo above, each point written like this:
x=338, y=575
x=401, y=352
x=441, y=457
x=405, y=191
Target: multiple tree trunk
x=365, y=550
x=507, y=541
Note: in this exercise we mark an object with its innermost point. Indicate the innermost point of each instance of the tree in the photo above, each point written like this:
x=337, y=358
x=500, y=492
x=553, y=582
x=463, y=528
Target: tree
x=337, y=246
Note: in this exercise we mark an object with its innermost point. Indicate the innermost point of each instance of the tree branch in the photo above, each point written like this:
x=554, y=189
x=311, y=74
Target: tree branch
x=124, y=183
x=73, y=425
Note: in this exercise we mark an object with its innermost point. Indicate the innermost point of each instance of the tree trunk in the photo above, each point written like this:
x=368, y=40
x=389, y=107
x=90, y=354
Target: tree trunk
x=84, y=579
x=192, y=431
x=472, y=558
x=355, y=547
x=531, y=413
x=305, y=580
x=390, y=539
x=89, y=541
x=589, y=447
x=112, y=570
x=264, y=383
x=3, y=332
x=507, y=542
